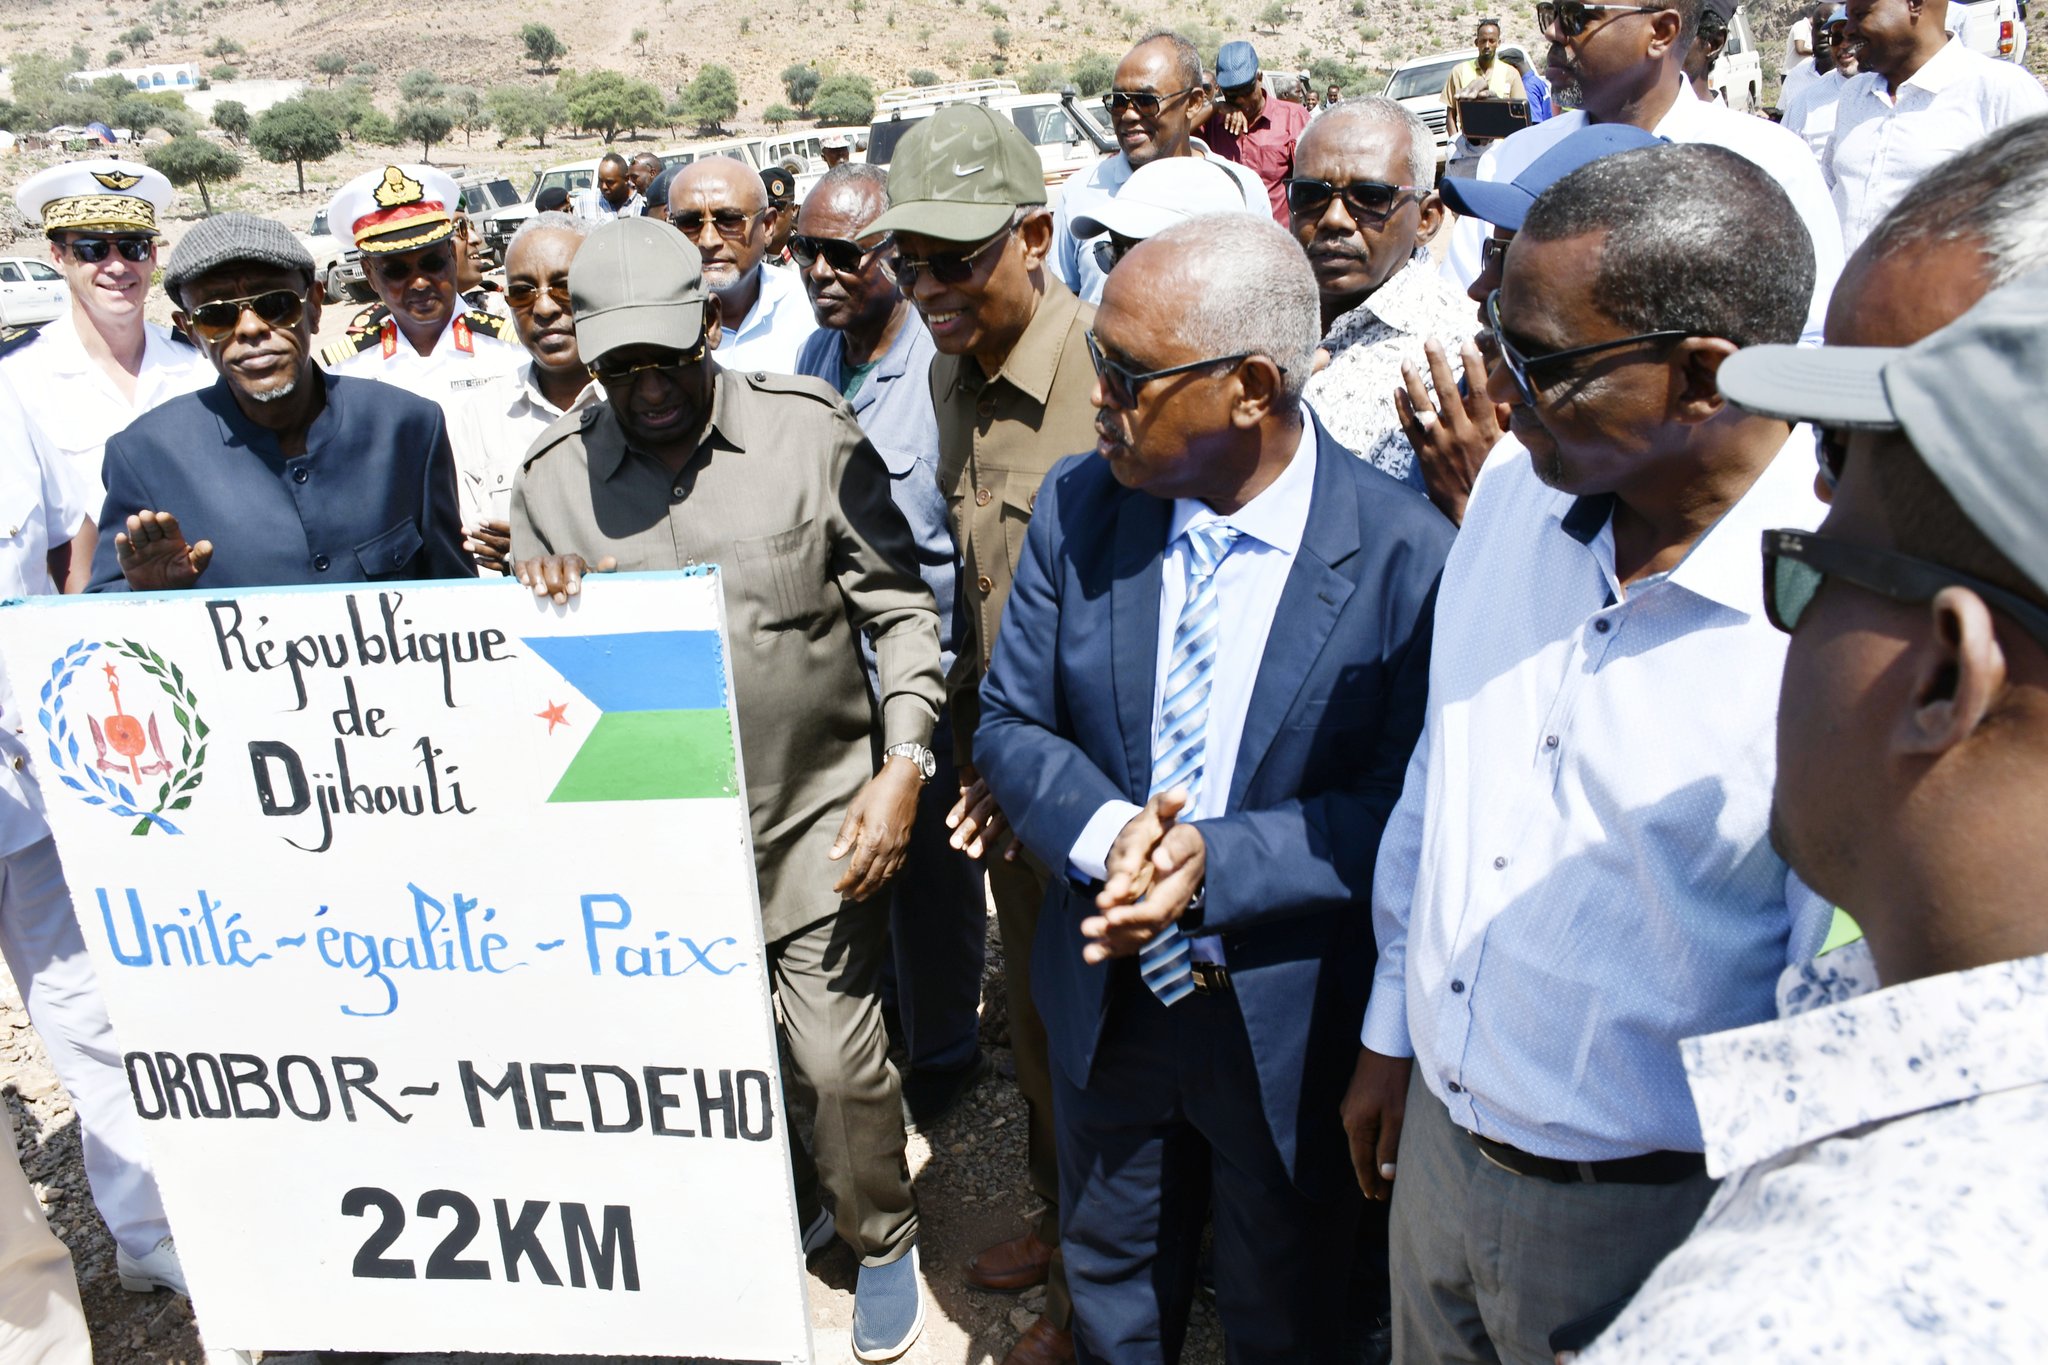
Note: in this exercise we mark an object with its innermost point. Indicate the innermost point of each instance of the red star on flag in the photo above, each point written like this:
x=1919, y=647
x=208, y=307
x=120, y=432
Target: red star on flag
x=554, y=715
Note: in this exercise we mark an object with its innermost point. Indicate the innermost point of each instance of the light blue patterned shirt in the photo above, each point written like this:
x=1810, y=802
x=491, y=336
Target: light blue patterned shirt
x=1578, y=873
x=1886, y=1197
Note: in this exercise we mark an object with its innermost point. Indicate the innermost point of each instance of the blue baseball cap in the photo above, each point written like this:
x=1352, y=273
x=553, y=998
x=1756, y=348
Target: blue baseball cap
x=1506, y=203
x=1236, y=64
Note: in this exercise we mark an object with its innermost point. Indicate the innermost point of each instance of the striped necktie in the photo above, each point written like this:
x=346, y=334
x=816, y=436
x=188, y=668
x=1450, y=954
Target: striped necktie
x=1179, y=740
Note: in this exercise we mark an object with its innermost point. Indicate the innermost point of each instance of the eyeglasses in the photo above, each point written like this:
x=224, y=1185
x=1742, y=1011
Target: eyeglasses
x=276, y=307
x=1112, y=249
x=524, y=294
x=93, y=250
x=1493, y=254
x=947, y=267
x=1144, y=101
x=1797, y=563
x=613, y=374
x=842, y=256
x=730, y=223
x=1830, y=452
x=1521, y=366
x=1367, y=201
x=1562, y=20
x=1120, y=385
x=398, y=269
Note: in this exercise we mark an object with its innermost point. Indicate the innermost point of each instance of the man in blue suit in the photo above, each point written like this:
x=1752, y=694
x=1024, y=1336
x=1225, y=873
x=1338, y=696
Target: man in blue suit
x=278, y=473
x=1201, y=704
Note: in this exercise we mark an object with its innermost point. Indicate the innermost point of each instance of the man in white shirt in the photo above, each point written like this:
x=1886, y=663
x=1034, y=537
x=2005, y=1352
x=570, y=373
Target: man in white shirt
x=765, y=317
x=1921, y=98
x=1883, y=1197
x=42, y=510
x=1628, y=67
x=430, y=342
x=1578, y=874
x=98, y=366
x=1802, y=44
x=612, y=195
x=494, y=425
x=1156, y=102
x=1811, y=113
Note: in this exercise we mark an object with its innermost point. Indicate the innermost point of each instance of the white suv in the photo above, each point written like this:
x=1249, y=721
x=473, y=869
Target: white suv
x=1066, y=138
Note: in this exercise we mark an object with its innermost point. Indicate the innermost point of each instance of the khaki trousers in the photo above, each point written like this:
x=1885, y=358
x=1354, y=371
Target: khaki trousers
x=827, y=983
x=40, y=1318
x=1019, y=893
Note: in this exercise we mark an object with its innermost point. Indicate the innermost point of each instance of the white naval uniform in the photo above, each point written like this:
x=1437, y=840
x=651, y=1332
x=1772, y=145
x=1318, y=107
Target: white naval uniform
x=470, y=355
x=77, y=407
x=490, y=435
x=39, y=934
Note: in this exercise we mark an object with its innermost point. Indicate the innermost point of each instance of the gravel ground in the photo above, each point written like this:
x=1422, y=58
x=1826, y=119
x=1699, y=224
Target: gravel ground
x=970, y=1182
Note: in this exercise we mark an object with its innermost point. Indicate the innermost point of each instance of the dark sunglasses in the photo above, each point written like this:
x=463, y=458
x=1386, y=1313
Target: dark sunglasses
x=729, y=222
x=1370, y=201
x=277, y=308
x=842, y=256
x=1236, y=92
x=1120, y=384
x=93, y=250
x=1112, y=249
x=1830, y=451
x=524, y=294
x=1144, y=101
x=1797, y=563
x=1493, y=254
x=1567, y=19
x=947, y=267
x=398, y=269
x=1522, y=366
x=613, y=373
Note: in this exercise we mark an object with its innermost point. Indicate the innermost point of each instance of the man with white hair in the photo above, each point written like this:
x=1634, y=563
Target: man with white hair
x=1363, y=205
x=1209, y=678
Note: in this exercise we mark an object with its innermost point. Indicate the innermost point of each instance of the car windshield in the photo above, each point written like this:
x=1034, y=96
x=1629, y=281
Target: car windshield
x=1047, y=125
x=571, y=180
x=495, y=194
x=1421, y=80
x=883, y=137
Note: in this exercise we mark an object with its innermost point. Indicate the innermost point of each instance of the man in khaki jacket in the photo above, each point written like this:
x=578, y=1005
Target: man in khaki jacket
x=1012, y=386
x=769, y=477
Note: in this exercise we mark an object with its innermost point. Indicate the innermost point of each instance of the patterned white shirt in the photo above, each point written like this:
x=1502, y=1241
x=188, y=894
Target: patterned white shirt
x=1885, y=1197
x=591, y=206
x=1883, y=143
x=1578, y=874
x=1354, y=393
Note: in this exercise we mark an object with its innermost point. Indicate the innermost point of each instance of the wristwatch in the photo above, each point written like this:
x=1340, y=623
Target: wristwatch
x=920, y=758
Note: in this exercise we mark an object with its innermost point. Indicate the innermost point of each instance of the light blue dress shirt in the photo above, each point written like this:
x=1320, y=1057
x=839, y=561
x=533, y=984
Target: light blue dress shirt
x=1578, y=873
x=894, y=409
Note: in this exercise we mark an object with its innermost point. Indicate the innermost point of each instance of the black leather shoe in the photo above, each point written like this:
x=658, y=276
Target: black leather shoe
x=928, y=1096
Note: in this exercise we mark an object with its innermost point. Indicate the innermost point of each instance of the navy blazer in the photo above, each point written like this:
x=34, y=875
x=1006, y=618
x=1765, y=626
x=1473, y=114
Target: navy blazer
x=373, y=498
x=1335, y=710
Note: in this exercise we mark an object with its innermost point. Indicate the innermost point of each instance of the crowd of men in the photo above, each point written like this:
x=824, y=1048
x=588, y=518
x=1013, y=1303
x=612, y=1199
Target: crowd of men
x=1442, y=870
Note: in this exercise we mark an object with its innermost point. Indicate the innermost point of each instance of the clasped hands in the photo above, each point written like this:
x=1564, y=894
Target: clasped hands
x=1155, y=867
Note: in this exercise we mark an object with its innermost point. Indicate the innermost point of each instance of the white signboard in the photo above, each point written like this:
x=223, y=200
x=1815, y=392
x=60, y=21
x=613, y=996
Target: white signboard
x=427, y=919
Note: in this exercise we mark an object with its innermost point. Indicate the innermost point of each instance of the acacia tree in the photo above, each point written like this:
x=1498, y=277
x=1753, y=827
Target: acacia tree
x=425, y=122
x=543, y=46
x=232, y=118
x=191, y=160
x=800, y=83
x=295, y=131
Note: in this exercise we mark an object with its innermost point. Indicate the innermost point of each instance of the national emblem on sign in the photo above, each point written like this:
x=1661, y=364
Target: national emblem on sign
x=126, y=737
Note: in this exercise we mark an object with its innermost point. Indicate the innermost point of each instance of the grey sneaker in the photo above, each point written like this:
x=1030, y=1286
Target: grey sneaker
x=888, y=1308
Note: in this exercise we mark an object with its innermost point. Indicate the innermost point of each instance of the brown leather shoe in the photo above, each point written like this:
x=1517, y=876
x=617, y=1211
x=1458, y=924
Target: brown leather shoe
x=1010, y=1266
x=1044, y=1344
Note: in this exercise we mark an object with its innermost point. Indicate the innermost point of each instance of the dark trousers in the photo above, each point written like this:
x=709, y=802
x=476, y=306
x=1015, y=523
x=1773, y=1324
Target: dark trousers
x=938, y=929
x=1167, y=1132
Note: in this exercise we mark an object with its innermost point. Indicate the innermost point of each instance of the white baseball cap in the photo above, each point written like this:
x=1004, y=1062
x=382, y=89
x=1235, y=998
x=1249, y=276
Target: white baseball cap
x=1164, y=192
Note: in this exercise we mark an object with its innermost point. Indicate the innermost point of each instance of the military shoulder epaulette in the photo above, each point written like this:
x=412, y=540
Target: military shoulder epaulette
x=13, y=339
x=350, y=346
x=491, y=325
x=808, y=385
x=368, y=319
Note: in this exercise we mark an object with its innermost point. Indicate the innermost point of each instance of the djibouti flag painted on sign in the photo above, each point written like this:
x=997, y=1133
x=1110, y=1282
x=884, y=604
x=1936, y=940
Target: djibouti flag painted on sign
x=662, y=733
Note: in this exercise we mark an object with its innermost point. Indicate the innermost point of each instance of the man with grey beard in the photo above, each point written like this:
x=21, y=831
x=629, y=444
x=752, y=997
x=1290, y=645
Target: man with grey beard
x=305, y=476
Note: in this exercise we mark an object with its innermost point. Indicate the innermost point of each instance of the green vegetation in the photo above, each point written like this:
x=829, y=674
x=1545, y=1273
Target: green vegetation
x=712, y=98
x=297, y=131
x=331, y=65
x=800, y=83
x=232, y=118
x=606, y=102
x=542, y=46
x=778, y=114
x=844, y=99
x=192, y=160
x=523, y=111
x=425, y=122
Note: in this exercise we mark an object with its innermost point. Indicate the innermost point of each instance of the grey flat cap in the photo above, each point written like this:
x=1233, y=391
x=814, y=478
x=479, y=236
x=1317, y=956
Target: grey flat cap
x=1958, y=395
x=231, y=239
